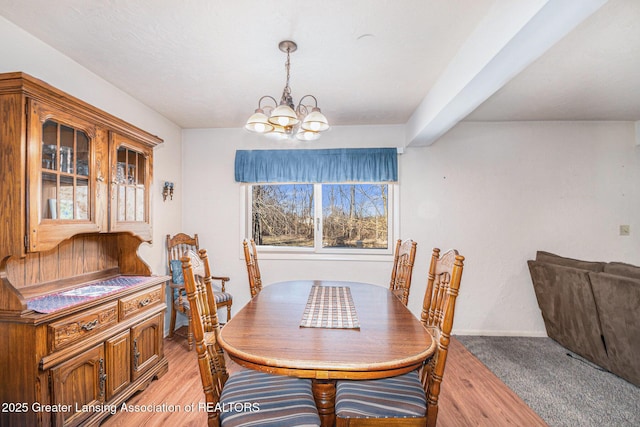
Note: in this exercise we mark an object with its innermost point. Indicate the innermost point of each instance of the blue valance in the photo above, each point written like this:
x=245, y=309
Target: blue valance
x=317, y=166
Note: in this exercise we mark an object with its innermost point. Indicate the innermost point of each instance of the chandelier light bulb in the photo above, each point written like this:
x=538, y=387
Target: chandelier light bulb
x=258, y=122
x=315, y=121
x=278, y=133
x=307, y=135
x=284, y=116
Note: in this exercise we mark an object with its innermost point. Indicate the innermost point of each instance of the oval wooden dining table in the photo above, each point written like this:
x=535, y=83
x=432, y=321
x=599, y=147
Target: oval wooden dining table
x=266, y=335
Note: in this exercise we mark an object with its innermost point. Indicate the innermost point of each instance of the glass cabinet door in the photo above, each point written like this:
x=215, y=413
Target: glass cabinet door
x=62, y=177
x=131, y=167
x=65, y=173
x=131, y=178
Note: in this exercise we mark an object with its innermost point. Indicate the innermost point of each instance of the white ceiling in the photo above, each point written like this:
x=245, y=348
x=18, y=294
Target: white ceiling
x=205, y=63
x=591, y=74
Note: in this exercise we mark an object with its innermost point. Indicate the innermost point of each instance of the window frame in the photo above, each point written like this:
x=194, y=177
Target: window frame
x=317, y=252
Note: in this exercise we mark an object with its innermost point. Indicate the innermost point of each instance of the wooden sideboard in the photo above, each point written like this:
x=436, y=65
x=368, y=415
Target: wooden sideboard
x=81, y=315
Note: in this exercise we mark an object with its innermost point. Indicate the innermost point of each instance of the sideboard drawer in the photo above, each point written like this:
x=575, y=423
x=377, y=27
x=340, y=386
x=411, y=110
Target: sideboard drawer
x=74, y=328
x=134, y=304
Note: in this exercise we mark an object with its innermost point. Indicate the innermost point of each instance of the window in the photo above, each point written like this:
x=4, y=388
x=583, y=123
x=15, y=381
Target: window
x=320, y=204
x=354, y=218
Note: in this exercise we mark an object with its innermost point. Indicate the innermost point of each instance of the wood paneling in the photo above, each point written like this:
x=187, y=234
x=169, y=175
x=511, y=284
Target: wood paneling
x=118, y=359
x=65, y=257
x=76, y=383
x=12, y=164
x=77, y=256
x=147, y=345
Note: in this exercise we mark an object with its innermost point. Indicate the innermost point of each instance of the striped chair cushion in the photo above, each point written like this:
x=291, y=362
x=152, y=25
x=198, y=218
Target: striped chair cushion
x=251, y=398
x=395, y=397
x=218, y=296
x=222, y=297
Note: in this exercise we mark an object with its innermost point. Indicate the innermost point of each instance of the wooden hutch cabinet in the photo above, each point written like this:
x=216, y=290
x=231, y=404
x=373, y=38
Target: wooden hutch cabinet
x=81, y=316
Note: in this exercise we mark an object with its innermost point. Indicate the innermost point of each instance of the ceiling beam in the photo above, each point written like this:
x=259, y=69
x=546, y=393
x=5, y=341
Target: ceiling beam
x=509, y=38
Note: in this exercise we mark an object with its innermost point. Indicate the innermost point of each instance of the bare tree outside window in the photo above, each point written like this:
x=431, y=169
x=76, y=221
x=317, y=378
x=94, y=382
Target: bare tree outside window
x=353, y=215
x=283, y=215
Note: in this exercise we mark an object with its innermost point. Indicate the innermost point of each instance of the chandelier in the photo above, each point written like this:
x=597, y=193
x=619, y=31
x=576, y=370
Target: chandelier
x=285, y=119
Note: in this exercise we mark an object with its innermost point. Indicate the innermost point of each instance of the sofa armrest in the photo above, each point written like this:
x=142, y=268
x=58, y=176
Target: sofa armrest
x=568, y=309
x=618, y=300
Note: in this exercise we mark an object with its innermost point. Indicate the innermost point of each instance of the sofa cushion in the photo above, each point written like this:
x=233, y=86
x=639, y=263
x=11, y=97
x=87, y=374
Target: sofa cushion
x=618, y=299
x=550, y=258
x=622, y=269
x=568, y=309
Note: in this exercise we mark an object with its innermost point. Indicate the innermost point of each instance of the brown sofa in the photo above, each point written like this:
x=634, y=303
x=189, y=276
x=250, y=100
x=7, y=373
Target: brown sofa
x=591, y=308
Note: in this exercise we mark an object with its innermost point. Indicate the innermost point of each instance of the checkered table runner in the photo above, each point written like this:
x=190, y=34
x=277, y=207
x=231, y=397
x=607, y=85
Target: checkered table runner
x=330, y=307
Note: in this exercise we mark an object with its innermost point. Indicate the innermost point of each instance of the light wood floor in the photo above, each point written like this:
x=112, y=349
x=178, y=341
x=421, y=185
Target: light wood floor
x=471, y=395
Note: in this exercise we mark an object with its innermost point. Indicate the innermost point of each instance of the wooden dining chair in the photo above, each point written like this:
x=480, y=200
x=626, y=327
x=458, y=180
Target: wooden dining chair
x=410, y=399
x=253, y=270
x=177, y=246
x=248, y=397
x=403, y=260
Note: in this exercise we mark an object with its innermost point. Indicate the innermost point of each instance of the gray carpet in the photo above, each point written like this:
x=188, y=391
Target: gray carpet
x=564, y=390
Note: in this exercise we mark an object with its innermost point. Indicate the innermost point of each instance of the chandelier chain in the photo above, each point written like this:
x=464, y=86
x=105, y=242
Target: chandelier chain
x=286, y=93
x=288, y=66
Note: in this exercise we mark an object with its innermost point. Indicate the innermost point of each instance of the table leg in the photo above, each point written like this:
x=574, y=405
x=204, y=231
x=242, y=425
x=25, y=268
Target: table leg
x=324, y=393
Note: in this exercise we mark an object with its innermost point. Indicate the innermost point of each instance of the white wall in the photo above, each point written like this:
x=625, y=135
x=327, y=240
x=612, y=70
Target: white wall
x=20, y=51
x=497, y=192
x=500, y=191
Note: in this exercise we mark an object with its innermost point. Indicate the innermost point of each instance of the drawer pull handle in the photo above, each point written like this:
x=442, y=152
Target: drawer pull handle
x=145, y=302
x=89, y=325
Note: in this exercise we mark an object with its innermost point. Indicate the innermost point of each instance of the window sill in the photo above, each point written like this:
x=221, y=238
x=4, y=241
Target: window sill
x=297, y=256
